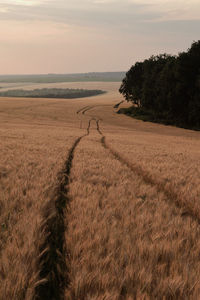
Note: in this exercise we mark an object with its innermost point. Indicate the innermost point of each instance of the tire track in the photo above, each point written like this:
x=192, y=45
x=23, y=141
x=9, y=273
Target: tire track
x=118, y=104
x=53, y=274
x=174, y=197
x=53, y=252
x=98, y=127
x=188, y=208
x=84, y=109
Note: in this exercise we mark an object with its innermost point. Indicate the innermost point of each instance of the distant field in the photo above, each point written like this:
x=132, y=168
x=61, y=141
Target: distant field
x=94, y=204
x=53, y=78
x=95, y=85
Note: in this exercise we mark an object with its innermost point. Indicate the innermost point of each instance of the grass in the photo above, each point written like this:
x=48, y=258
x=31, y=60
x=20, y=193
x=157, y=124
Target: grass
x=150, y=116
x=109, y=215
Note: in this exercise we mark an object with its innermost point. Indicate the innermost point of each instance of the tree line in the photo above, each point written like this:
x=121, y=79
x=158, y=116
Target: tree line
x=166, y=88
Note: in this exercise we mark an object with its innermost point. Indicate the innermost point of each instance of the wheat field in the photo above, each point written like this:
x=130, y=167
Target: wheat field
x=96, y=205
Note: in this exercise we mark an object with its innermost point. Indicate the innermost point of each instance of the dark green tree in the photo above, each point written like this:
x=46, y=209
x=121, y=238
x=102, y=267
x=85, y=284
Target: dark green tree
x=167, y=87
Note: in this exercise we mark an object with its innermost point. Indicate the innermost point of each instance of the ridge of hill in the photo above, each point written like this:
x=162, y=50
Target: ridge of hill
x=50, y=78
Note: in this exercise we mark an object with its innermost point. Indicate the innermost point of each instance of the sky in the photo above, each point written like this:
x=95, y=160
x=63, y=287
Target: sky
x=75, y=36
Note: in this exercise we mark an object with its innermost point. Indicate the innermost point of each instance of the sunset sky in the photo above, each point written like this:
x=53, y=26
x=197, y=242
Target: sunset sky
x=69, y=36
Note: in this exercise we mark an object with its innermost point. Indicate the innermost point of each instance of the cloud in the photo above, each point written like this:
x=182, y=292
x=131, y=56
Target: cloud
x=131, y=16
x=126, y=15
x=88, y=35
x=21, y=2
x=85, y=13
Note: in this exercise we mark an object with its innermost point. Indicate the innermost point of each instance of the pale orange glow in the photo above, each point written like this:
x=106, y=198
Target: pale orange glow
x=48, y=36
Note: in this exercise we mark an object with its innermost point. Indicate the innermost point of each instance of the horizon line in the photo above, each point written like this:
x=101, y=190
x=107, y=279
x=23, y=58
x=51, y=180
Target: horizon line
x=49, y=74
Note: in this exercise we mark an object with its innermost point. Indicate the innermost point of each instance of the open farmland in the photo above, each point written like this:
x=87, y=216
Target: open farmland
x=96, y=205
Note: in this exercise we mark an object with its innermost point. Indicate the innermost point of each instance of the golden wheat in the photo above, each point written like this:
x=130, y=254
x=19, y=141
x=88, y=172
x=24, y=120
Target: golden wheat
x=129, y=211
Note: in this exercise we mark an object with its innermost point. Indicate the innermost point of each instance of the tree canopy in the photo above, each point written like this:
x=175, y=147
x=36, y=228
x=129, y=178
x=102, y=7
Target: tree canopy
x=167, y=86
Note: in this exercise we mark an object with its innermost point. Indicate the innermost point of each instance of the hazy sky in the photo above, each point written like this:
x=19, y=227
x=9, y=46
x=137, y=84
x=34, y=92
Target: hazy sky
x=67, y=36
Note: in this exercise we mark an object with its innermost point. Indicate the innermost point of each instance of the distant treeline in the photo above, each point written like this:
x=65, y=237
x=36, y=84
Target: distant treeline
x=165, y=88
x=53, y=78
x=52, y=93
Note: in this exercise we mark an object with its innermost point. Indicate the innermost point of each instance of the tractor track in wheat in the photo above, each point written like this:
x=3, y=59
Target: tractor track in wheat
x=107, y=210
x=53, y=251
x=174, y=197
